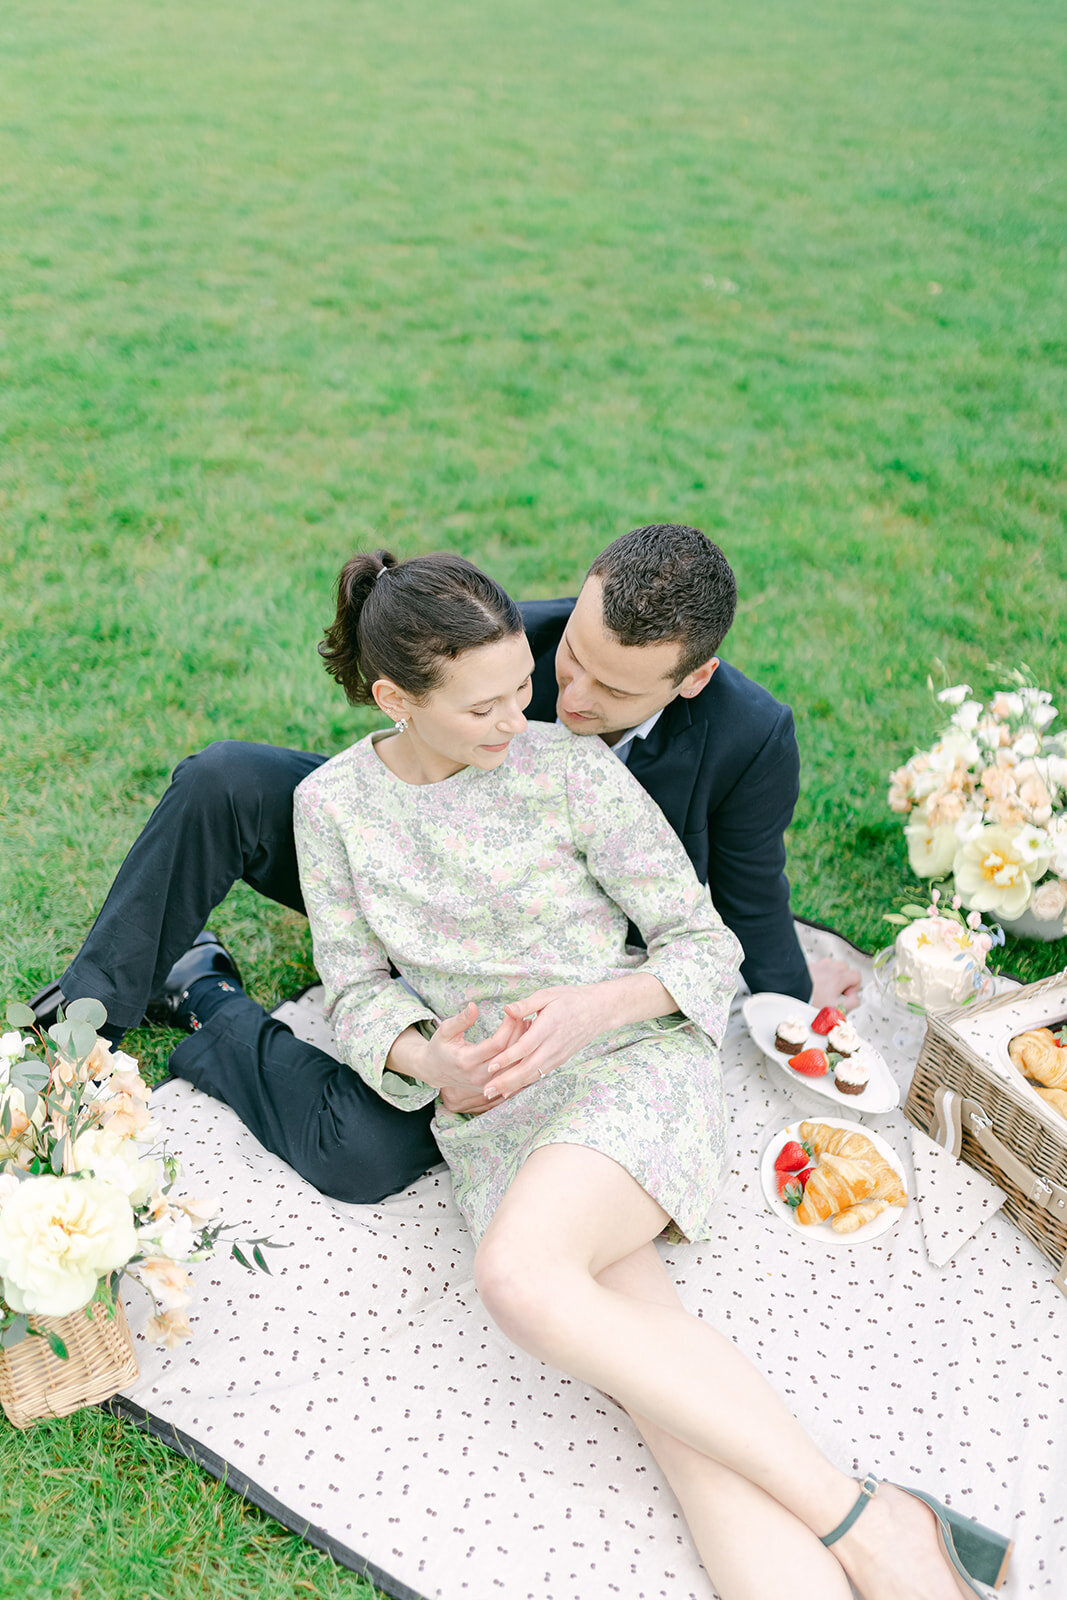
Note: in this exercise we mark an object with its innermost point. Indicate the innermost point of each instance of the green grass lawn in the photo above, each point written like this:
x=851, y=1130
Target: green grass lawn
x=278, y=282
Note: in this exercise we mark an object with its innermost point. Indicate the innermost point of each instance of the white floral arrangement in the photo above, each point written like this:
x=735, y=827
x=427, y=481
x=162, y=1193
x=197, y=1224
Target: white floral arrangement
x=987, y=803
x=86, y=1195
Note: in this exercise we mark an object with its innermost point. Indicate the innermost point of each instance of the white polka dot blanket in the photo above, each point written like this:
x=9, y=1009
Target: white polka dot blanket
x=362, y=1396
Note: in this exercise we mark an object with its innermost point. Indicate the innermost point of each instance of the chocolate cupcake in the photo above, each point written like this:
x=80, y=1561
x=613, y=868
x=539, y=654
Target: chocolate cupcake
x=843, y=1040
x=851, y=1075
x=790, y=1036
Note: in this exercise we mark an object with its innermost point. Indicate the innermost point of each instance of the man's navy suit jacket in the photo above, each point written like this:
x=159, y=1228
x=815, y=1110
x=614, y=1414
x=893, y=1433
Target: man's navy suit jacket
x=724, y=768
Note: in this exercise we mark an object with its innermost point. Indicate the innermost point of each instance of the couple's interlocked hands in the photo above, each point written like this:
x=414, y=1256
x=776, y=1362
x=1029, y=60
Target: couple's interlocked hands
x=535, y=1036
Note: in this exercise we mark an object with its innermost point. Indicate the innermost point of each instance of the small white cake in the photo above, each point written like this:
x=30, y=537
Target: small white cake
x=936, y=959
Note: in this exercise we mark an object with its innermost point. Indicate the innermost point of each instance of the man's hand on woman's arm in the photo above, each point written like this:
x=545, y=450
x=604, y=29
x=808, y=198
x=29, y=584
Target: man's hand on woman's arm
x=563, y=1020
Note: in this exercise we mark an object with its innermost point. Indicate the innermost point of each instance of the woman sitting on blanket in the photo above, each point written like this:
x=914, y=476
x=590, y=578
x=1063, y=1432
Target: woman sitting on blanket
x=580, y=1098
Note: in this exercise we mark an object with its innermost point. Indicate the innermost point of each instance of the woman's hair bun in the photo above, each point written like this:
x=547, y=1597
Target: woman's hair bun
x=426, y=613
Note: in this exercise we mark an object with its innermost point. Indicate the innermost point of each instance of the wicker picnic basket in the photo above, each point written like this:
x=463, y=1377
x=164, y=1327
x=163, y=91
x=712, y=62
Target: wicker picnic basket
x=36, y=1383
x=962, y=1101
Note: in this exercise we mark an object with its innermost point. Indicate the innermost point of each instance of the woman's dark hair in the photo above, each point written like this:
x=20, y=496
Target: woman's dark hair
x=404, y=619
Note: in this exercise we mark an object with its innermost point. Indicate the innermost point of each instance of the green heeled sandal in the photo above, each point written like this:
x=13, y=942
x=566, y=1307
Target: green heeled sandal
x=976, y=1553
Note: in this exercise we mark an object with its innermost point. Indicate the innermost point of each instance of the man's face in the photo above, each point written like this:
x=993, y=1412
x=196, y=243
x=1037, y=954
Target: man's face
x=606, y=687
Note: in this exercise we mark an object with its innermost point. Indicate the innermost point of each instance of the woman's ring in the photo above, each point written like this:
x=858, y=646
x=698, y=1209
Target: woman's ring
x=540, y=1074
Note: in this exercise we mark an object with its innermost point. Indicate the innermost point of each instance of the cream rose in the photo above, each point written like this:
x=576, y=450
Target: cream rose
x=931, y=848
x=1050, y=900
x=991, y=874
x=58, y=1236
x=117, y=1160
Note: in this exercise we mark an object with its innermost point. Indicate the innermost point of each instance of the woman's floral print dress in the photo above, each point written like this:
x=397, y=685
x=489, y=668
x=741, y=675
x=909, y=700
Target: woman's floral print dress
x=489, y=885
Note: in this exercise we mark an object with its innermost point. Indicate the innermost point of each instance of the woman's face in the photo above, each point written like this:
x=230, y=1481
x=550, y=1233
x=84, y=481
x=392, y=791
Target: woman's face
x=470, y=719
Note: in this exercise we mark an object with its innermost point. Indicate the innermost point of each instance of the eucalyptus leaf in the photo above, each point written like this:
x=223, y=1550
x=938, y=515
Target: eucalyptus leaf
x=914, y=910
x=29, y=1074
x=57, y=1156
x=88, y=1011
x=60, y=1033
x=894, y=916
x=260, y=1261
x=19, y=1015
x=31, y=1099
x=5, y=1119
x=83, y=1038
x=16, y=1331
x=235, y=1252
x=58, y=1347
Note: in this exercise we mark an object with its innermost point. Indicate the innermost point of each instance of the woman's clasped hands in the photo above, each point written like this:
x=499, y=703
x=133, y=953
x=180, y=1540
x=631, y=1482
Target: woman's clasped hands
x=536, y=1035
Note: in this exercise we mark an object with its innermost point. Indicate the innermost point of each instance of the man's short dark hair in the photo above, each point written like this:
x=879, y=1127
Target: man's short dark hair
x=667, y=582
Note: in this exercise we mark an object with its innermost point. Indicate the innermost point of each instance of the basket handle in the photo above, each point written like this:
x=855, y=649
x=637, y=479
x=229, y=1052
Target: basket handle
x=955, y=1113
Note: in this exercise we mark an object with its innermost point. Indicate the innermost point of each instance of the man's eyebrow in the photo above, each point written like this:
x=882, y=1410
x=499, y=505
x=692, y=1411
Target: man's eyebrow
x=629, y=694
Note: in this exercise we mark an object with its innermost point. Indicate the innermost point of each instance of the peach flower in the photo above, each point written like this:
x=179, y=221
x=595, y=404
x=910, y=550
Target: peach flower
x=170, y=1329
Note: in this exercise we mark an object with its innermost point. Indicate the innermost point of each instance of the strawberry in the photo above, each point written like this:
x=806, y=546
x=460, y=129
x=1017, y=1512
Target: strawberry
x=793, y=1157
x=790, y=1189
x=810, y=1063
x=827, y=1020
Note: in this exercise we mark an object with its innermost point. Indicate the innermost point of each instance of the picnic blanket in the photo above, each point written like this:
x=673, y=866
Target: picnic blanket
x=362, y=1396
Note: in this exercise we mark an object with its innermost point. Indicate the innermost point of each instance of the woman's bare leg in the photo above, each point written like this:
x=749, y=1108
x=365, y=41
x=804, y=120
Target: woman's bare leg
x=751, y=1546
x=571, y=1213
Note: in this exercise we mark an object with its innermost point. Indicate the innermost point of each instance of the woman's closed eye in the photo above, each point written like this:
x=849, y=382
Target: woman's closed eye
x=475, y=712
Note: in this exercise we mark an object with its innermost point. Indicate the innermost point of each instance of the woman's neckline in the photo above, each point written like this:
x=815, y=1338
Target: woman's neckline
x=379, y=736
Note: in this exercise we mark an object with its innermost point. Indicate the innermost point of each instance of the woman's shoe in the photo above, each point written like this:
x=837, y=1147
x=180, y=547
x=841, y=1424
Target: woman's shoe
x=975, y=1553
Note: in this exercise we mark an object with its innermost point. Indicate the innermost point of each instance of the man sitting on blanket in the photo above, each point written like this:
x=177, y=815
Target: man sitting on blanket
x=633, y=661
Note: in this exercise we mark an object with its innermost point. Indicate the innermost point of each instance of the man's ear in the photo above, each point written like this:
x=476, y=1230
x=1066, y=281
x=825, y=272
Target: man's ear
x=698, y=679
x=390, y=700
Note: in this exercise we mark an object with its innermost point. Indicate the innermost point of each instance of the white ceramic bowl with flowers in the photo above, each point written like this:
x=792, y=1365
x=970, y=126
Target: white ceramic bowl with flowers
x=986, y=804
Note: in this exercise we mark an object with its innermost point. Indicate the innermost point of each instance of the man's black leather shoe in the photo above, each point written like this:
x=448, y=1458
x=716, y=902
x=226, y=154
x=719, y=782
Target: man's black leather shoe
x=207, y=958
x=45, y=1005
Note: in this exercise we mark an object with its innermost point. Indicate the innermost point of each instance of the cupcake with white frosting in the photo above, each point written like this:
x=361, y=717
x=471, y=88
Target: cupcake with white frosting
x=843, y=1040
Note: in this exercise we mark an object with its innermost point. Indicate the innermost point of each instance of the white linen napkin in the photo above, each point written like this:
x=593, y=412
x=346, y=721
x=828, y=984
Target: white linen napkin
x=954, y=1201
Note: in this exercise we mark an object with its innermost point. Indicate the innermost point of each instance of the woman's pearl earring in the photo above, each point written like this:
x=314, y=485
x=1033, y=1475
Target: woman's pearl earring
x=401, y=725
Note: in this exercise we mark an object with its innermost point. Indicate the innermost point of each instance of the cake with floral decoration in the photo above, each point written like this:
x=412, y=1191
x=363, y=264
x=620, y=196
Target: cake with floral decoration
x=937, y=962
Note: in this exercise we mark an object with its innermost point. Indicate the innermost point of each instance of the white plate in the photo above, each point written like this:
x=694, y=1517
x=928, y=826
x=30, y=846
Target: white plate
x=822, y=1232
x=763, y=1013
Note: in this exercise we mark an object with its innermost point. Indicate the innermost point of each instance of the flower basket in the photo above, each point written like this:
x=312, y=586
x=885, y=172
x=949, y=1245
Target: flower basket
x=86, y=1198
x=36, y=1383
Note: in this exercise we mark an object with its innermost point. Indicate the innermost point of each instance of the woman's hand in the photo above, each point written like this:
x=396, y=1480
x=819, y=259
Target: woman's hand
x=446, y=1061
x=558, y=1023
x=563, y=1020
x=470, y=1099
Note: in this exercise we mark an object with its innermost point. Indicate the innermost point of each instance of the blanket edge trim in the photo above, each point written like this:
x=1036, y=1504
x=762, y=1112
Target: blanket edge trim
x=227, y=1474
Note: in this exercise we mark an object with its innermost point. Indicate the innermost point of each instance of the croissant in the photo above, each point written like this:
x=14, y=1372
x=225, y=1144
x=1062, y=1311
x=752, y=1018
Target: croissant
x=837, y=1183
x=848, y=1221
x=1038, y=1056
x=1056, y=1098
x=825, y=1140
